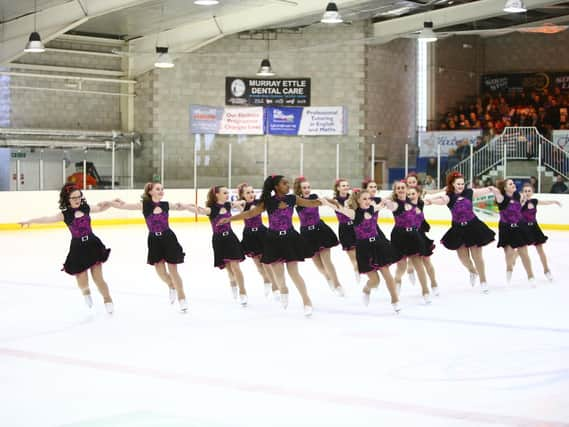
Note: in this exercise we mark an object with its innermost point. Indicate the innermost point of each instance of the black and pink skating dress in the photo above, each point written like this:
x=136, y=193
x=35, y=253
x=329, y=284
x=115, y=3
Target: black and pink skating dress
x=254, y=233
x=316, y=232
x=163, y=244
x=226, y=245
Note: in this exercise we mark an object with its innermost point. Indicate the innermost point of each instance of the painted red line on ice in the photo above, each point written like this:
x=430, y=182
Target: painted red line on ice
x=279, y=391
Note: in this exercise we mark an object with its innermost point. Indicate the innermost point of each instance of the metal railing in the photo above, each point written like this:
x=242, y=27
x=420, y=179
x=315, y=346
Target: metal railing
x=515, y=143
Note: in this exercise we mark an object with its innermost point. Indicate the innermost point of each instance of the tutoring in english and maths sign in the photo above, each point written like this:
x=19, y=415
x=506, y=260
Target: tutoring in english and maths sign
x=267, y=92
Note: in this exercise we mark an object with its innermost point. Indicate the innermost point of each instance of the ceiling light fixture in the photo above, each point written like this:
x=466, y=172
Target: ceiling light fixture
x=163, y=59
x=34, y=44
x=265, y=69
x=206, y=2
x=514, y=6
x=331, y=15
x=427, y=34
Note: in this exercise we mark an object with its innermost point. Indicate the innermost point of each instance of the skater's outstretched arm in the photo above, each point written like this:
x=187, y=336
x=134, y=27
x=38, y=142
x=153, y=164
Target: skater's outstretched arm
x=42, y=220
x=484, y=191
x=101, y=207
x=256, y=210
x=238, y=204
x=193, y=208
x=389, y=204
x=121, y=204
x=437, y=200
x=497, y=194
x=308, y=203
x=350, y=213
x=550, y=202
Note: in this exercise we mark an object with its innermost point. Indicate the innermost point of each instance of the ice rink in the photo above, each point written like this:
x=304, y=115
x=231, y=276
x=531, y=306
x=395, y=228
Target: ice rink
x=469, y=359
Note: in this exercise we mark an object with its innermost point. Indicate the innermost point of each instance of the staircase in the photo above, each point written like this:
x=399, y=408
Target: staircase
x=518, y=152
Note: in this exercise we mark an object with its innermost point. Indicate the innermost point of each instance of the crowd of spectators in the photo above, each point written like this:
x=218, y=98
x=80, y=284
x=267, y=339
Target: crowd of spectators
x=492, y=113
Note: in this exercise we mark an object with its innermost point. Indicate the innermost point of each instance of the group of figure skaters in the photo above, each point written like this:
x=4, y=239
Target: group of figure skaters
x=280, y=246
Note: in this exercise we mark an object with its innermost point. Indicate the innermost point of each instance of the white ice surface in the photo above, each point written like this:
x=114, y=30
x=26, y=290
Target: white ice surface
x=467, y=360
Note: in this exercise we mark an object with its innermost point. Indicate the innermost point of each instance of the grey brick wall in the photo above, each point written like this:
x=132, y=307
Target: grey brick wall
x=337, y=74
x=55, y=109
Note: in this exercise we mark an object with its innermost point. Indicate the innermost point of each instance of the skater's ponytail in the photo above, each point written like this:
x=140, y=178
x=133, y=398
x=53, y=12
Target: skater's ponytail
x=501, y=185
x=146, y=197
x=297, y=184
x=354, y=197
x=268, y=188
x=212, y=196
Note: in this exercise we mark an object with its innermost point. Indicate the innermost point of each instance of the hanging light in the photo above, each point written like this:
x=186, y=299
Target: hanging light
x=34, y=44
x=331, y=15
x=427, y=34
x=514, y=6
x=265, y=69
x=163, y=59
x=206, y=2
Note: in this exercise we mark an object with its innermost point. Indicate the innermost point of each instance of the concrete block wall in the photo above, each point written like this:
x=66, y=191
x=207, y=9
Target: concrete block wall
x=29, y=108
x=332, y=57
x=390, y=99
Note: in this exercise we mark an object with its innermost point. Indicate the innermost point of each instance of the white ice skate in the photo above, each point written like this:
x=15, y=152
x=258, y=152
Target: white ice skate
x=276, y=296
x=331, y=285
x=508, y=277
x=484, y=287
x=183, y=305
x=365, y=299
x=427, y=299
x=531, y=282
x=235, y=292
x=268, y=288
x=412, y=278
x=109, y=307
x=548, y=276
x=435, y=291
x=396, y=307
x=88, y=300
x=339, y=291
x=243, y=300
x=307, y=310
x=473, y=277
x=284, y=301
x=172, y=295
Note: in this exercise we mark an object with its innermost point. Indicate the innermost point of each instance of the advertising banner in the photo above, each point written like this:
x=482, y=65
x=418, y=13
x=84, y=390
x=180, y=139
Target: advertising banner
x=242, y=121
x=428, y=141
x=323, y=121
x=516, y=82
x=269, y=92
x=204, y=119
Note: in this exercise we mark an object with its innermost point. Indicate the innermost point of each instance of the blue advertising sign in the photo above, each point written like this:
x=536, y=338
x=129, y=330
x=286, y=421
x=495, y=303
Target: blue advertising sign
x=283, y=121
x=204, y=119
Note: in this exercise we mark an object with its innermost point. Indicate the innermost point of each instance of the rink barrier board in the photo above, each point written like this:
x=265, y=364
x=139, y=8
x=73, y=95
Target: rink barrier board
x=23, y=205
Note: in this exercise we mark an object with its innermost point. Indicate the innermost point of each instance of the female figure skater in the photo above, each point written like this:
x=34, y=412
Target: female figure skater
x=283, y=244
x=529, y=213
x=346, y=231
x=164, y=251
x=372, y=253
x=86, y=251
x=513, y=234
x=227, y=251
x=467, y=235
x=415, y=199
x=319, y=237
x=254, y=234
x=407, y=238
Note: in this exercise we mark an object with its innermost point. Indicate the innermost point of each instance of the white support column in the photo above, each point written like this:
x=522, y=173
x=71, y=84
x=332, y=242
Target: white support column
x=18, y=172
x=372, y=165
x=113, y=168
x=539, y=168
x=266, y=157
x=337, y=160
x=41, y=171
x=301, y=170
x=406, y=159
x=505, y=159
x=63, y=172
x=132, y=165
x=84, y=173
x=162, y=163
x=438, y=166
x=197, y=138
x=229, y=158
x=471, y=166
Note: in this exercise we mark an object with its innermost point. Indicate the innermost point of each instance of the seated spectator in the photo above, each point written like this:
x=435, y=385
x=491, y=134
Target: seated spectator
x=463, y=149
x=559, y=186
x=429, y=183
x=452, y=160
x=432, y=166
